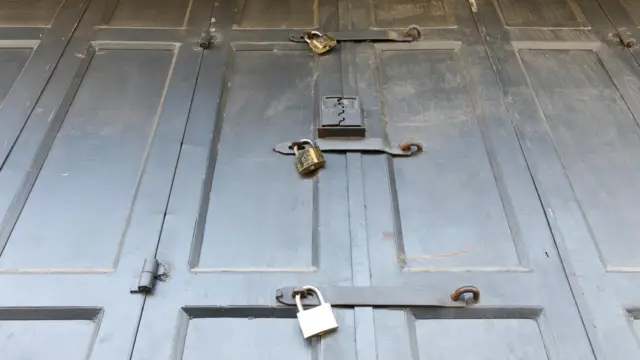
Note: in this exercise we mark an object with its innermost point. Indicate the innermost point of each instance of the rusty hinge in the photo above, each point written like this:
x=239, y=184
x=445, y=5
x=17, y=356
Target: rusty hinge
x=625, y=38
x=205, y=39
x=147, y=278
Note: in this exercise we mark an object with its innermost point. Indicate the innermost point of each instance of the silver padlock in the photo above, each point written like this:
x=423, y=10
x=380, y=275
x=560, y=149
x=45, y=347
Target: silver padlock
x=317, y=320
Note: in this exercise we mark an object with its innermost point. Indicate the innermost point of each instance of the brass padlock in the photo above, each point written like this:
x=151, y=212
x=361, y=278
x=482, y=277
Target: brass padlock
x=320, y=43
x=308, y=158
x=317, y=320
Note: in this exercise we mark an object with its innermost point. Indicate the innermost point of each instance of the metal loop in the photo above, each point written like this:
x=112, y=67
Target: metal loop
x=306, y=141
x=296, y=144
x=461, y=294
x=304, y=290
x=307, y=35
x=299, y=303
x=414, y=32
x=409, y=147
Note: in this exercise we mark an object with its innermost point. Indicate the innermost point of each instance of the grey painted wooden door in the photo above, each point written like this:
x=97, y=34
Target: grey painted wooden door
x=86, y=182
x=572, y=91
x=241, y=223
x=121, y=139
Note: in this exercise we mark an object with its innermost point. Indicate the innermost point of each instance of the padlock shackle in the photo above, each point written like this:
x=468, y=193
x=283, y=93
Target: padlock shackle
x=302, y=141
x=308, y=288
x=314, y=33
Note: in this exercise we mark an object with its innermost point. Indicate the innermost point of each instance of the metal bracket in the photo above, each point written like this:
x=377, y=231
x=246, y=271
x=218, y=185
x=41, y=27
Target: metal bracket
x=366, y=145
x=374, y=296
x=148, y=276
x=412, y=33
x=341, y=116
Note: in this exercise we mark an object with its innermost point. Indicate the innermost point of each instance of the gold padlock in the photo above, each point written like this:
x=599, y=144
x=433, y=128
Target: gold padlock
x=308, y=156
x=320, y=43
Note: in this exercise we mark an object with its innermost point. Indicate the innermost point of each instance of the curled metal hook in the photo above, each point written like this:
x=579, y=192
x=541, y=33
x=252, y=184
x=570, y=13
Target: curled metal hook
x=414, y=32
x=412, y=147
x=470, y=294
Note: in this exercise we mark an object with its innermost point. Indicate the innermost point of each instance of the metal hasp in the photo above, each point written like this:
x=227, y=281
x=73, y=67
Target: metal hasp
x=148, y=277
x=341, y=116
x=366, y=145
x=374, y=296
x=412, y=33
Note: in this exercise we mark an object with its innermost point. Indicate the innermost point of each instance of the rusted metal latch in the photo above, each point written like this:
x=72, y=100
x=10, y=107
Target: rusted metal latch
x=412, y=33
x=365, y=145
x=379, y=296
